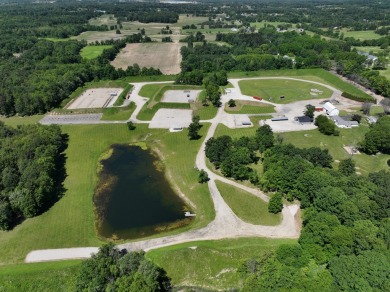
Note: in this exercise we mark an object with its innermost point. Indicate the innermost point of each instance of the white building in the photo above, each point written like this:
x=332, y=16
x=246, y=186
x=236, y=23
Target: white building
x=330, y=109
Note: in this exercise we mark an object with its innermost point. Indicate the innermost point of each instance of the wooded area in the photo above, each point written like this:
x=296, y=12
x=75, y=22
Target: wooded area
x=31, y=171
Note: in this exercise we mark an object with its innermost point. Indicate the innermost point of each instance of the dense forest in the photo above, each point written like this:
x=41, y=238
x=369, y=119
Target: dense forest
x=31, y=171
x=344, y=243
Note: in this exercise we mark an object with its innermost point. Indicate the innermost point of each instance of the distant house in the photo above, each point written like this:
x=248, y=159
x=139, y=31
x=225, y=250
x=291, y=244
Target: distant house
x=371, y=119
x=304, y=120
x=330, y=109
x=343, y=123
x=369, y=57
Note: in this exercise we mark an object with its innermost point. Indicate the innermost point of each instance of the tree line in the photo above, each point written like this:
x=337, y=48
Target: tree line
x=31, y=171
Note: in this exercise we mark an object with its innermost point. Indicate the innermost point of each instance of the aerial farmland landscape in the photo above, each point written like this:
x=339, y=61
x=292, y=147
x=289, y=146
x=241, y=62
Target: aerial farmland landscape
x=194, y=145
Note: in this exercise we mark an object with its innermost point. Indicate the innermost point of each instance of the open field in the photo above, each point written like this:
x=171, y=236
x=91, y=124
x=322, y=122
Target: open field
x=385, y=73
x=290, y=90
x=70, y=222
x=92, y=52
x=212, y=264
x=361, y=35
x=164, y=56
x=319, y=75
x=250, y=107
x=96, y=98
x=246, y=206
x=313, y=138
x=369, y=49
x=105, y=19
x=365, y=163
x=118, y=113
x=34, y=277
x=16, y=120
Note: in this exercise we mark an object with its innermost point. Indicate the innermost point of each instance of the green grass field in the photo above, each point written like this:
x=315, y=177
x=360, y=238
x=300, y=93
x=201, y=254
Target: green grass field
x=319, y=75
x=50, y=276
x=92, y=52
x=212, y=264
x=250, y=107
x=246, y=206
x=385, y=73
x=272, y=90
x=361, y=35
x=369, y=49
x=70, y=222
x=118, y=113
x=313, y=138
x=16, y=120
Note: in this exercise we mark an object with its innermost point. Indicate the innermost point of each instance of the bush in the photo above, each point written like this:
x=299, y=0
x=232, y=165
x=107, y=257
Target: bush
x=130, y=126
x=203, y=177
x=326, y=126
x=358, y=98
x=275, y=204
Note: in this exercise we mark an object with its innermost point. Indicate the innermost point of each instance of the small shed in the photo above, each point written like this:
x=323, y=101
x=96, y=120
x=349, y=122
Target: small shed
x=371, y=119
x=304, y=120
x=330, y=109
x=278, y=119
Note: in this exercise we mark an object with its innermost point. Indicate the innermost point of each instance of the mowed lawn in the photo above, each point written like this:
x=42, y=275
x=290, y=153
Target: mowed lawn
x=92, y=52
x=313, y=138
x=70, y=222
x=246, y=206
x=212, y=264
x=283, y=91
x=250, y=107
x=361, y=34
x=319, y=75
x=49, y=276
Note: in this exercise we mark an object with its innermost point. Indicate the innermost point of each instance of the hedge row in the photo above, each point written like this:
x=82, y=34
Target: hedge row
x=358, y=98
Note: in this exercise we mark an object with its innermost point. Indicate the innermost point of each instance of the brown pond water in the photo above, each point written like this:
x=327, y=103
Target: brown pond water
x=133, y=198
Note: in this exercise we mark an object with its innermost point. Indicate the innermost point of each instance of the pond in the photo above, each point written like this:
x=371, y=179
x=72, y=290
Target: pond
x=133, y=199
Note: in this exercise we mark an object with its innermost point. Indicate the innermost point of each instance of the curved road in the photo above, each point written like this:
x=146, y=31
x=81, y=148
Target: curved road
x=225, y=225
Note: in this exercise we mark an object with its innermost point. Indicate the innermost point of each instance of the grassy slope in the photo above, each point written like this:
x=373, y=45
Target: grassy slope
x=91, y=52
x=212, y=264
x=34, y=277
x=70, y=222
x=118, y=113
x=291, y=90
x=319, y=75
x=246, y=206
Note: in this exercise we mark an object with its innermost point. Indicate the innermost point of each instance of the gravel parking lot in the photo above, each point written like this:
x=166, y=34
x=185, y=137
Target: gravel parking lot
x=166, y=118
x=180, y=96
x=71, y=119
x=96, y=98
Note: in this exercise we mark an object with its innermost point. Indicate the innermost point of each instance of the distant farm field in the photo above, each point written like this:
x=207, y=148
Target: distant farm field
x=91, y=52
x=164, y=56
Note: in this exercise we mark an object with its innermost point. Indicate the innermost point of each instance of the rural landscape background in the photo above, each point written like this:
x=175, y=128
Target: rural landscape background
x=194, y=145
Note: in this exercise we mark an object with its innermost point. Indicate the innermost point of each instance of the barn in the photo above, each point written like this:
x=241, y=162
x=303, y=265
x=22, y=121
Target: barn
x=330, y=109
